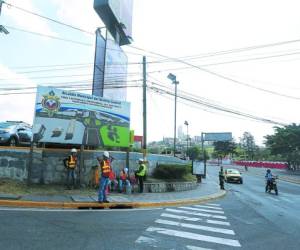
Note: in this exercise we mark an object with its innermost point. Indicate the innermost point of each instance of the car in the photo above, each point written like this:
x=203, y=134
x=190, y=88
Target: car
x=15, y=133
x=233, y=175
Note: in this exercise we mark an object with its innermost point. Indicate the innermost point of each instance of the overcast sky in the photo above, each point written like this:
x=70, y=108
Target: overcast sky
x=266, y=80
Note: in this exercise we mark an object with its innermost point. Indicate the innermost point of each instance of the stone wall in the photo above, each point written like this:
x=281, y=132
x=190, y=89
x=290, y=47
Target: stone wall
x=47, y=165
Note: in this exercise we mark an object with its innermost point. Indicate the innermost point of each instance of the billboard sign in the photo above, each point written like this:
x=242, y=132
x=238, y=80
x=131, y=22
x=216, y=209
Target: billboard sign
x=117, y=17
x=99, y=64
x=115, y=71
x=69, y=117
x=198, y=167
x=227, y=136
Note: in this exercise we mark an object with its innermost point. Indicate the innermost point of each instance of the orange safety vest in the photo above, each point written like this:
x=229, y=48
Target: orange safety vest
x=105, y=169
x=72, y=161
x=123, y=176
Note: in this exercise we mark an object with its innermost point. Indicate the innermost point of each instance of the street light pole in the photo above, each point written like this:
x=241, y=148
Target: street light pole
x=187, y=136
x=173, y=79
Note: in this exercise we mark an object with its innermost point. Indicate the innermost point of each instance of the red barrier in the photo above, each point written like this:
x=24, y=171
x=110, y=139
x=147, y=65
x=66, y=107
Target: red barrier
x=262, y=164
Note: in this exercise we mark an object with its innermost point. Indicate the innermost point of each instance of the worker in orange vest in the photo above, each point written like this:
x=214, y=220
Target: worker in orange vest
x=105, y=168
x=71, y=163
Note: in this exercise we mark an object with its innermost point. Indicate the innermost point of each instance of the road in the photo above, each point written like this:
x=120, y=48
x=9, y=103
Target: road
x=247, y=218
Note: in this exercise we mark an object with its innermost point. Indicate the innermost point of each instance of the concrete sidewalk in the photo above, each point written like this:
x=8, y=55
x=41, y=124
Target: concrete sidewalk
x=206, y=191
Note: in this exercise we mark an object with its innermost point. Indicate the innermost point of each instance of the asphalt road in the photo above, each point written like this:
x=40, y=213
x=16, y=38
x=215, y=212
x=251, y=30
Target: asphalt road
x=247, y=218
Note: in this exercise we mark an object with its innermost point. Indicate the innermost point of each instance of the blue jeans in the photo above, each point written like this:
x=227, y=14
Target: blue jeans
x=102, y=188
x=121, y=183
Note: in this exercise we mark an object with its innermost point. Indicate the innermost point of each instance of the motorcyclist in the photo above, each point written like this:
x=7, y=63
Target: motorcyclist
x=221, y=178
x=268, y=178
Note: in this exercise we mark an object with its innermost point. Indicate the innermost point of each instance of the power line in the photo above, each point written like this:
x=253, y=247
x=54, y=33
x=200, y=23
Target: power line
x=49, y=19
x=222, y=76
x=49, y=36
x=216, y=107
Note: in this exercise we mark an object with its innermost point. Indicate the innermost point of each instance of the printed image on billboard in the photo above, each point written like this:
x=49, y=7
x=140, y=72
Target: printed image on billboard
x=115, y=71
x=99, y=64
x=75, y=118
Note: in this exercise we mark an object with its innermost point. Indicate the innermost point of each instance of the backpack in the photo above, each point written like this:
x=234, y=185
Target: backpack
x=65, y=161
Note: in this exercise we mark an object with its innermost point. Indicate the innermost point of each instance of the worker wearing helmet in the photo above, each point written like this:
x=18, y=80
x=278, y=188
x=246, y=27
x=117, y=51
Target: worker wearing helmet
x=105, y=168
x=71, y=163
x=141, y=174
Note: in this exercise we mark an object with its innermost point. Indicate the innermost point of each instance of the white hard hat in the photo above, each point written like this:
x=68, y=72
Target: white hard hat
x=126, y=170
x=106, y=154
x=73, y=150
x=141, y=160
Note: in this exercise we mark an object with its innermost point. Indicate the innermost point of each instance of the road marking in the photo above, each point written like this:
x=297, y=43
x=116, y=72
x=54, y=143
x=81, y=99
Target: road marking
x=180, y=217
x=287, y=200
x=194, y=236
x=146, y=240
x=195, y=213
x=197, y=248
x=203, y=210
x=186, y=218
x=273, y=199
x=204, y=206
x=193, y=226
x=217, y=222
x=213, y=204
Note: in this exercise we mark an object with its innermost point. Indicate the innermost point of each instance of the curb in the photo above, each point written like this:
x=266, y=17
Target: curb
x=112, y=205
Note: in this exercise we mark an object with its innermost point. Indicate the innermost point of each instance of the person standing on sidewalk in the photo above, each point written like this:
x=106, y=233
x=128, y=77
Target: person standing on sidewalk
x=221, y=178
x=105, y=168
x=141, y=174
x=70, y=164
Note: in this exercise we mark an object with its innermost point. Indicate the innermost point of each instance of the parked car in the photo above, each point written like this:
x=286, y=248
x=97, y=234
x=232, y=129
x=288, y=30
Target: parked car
x=15, y=133
x=233, y=175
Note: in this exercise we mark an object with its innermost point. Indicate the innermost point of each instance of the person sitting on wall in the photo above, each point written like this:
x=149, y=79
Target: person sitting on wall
x=124, y=180
x=113, y=183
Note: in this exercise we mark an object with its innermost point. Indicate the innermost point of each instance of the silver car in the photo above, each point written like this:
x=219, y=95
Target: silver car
x=15, y=133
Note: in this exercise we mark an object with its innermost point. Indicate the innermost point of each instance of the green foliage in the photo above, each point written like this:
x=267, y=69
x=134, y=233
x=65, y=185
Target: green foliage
x=171, y=171
x=286, y=142
x=223, y=148
x=248, y=145
x=195, y=153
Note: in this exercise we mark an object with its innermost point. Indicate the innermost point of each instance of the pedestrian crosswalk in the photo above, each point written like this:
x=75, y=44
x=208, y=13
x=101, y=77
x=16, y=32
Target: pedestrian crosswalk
x=196, y=227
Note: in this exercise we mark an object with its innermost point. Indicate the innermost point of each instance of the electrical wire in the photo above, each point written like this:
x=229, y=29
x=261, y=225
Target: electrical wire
x=48, y=18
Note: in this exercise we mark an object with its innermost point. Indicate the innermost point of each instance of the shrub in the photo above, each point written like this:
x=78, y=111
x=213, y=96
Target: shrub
x=171, y=171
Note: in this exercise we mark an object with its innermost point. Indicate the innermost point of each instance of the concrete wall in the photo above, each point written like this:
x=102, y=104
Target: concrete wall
x=48, y=165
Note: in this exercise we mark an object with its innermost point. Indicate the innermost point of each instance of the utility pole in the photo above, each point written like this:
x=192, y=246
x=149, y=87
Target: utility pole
x=1, y=2
x=144, y=108
x=175, y=117
x=203, y=152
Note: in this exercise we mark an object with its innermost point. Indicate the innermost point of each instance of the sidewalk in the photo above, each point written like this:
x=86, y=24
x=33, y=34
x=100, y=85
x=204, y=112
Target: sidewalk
x=206, y=191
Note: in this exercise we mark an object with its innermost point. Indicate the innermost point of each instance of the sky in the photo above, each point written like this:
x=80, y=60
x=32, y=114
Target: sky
x=261, y=81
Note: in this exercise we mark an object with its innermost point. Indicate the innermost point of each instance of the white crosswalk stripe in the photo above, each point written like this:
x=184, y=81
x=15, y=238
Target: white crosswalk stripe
x=201, y=223
x=203, y=210
x=192, y=226
x=213, y=204
x=186, y=218
x=195, y=213
x=211, y=207
x=194, y=236
x=197, y=248
x=287, y=199
x=273, y=199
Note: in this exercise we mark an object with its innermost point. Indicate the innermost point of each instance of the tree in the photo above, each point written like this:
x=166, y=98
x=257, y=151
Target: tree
x=286, y=142
x=195, y=153
x=223, y=148
x=248, y=145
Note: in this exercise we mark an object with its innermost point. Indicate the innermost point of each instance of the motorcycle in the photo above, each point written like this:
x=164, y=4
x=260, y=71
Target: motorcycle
x=272, y=185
